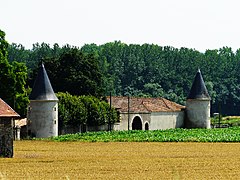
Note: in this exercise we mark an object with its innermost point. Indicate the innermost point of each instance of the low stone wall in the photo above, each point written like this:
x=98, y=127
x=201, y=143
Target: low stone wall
x=69, y=130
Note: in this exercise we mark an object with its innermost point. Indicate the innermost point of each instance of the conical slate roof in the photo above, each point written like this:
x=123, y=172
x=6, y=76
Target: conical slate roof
x=42, y=88
x=198, y=90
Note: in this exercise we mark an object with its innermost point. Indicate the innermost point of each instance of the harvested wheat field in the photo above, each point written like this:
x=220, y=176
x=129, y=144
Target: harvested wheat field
x=78, y=160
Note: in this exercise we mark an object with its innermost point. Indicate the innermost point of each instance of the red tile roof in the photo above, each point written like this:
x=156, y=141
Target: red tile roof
x=138, y=104
x=6, y=110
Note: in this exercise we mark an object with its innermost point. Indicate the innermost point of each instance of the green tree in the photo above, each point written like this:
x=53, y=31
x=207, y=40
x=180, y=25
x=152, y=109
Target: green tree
x=71, y=110
x=153, y=90
x=78, y=71
x=17, y=52
x=87, y=110
x=12, y=80
x=21, y=99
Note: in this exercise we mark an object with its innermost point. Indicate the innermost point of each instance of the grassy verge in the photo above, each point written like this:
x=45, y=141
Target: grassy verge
x=170, y=135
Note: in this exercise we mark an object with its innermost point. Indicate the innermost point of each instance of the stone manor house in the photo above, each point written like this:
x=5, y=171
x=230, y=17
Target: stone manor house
x=135, y=113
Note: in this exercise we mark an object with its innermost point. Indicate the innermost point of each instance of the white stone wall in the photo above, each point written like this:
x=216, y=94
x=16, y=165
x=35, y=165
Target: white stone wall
x=123, y=124
x=43, y=118
x=198, y=113
x=166, y=120
x=156, y=120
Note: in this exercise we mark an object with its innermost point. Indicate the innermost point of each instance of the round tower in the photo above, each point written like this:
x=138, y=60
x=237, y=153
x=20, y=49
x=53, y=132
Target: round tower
x=43, y=107
x=198, y=105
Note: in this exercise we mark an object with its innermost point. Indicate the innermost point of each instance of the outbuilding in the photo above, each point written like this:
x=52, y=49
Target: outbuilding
x=7, y=116
x=147, y=113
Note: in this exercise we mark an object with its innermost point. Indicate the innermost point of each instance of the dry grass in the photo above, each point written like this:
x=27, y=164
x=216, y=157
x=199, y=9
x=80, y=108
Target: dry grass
x=77, y=160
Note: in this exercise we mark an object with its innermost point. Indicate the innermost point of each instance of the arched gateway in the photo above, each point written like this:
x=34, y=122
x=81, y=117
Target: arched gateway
x=137, y=123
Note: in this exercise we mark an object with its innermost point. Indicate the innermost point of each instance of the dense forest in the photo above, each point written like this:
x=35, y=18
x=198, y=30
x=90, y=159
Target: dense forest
x=146, y=70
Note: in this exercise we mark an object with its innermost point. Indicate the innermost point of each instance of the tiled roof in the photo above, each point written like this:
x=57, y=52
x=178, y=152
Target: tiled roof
x=6, y=110
x=138, y=104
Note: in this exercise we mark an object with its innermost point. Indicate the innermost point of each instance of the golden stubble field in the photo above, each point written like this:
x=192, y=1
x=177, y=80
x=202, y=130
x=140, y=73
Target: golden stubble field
x=77, y=160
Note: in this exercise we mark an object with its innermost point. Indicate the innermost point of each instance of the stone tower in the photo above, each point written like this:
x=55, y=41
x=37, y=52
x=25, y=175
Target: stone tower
x=43, y=108
x=198, y=105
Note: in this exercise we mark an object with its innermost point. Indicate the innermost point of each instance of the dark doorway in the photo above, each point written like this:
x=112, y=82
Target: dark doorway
x=146, y=126
x=137, y=123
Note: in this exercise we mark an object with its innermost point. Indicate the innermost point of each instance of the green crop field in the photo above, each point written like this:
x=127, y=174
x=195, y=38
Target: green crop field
x=170, y=135
x=121, y=160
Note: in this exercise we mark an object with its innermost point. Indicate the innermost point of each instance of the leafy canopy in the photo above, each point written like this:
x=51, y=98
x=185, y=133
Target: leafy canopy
x=12, y=80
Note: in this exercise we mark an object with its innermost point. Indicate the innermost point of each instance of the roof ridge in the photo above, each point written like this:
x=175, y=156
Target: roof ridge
x=146, y=107
x=166, y=103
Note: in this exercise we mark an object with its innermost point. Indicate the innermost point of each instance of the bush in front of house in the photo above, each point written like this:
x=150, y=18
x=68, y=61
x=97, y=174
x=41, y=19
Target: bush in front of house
x=88, y=110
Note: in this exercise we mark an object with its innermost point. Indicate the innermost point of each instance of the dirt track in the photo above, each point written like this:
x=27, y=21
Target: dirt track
x=74, y=160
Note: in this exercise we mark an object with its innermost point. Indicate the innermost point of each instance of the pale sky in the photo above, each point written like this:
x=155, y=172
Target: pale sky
x=198, y=24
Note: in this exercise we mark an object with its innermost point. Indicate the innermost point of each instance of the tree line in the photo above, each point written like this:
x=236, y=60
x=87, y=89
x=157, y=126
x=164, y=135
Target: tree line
x=147, y=70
